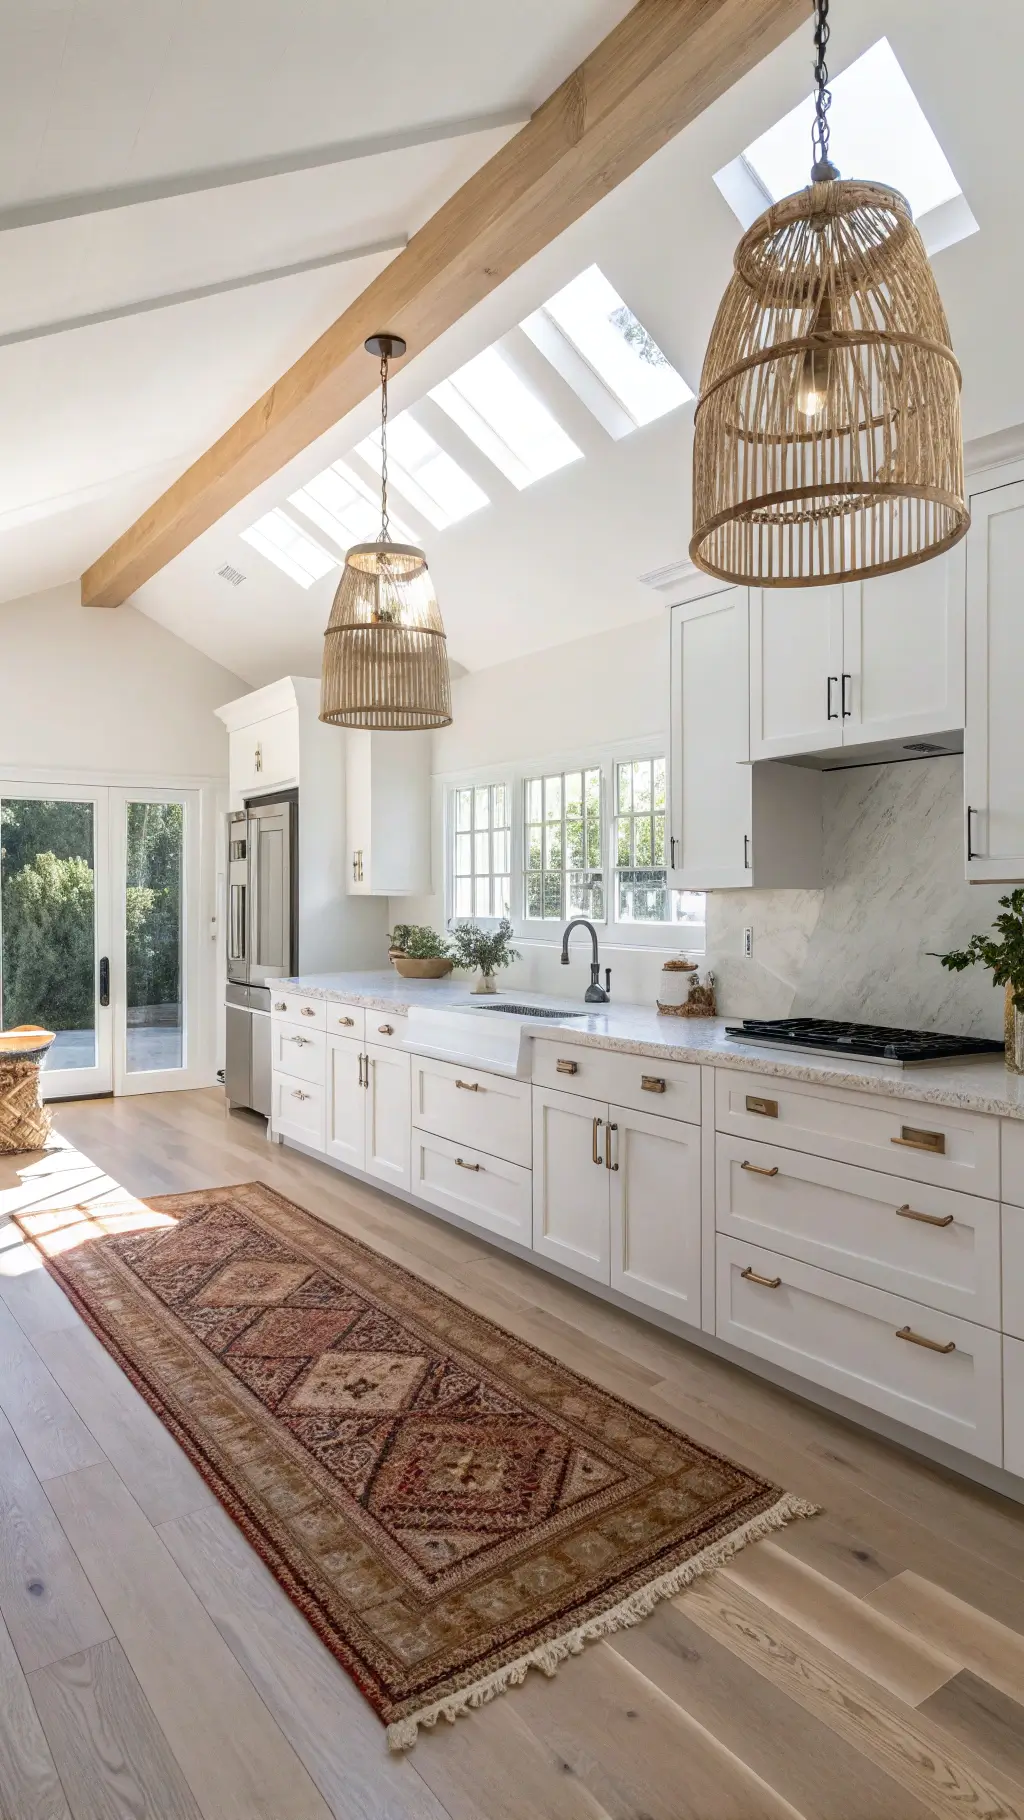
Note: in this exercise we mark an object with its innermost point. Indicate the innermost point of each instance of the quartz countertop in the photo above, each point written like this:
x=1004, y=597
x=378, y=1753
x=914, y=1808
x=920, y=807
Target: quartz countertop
x=981, y=1085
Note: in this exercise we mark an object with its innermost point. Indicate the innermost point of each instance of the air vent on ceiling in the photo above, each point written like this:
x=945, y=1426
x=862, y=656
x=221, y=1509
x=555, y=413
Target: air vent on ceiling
x=923, y=745
x=234, y=576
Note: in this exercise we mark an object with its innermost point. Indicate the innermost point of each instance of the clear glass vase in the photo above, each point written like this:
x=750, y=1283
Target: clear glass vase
x=1013, y=1033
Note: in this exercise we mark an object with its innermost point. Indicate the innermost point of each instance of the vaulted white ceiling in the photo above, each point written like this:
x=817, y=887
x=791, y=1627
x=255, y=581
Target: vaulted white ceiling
x=104, y=416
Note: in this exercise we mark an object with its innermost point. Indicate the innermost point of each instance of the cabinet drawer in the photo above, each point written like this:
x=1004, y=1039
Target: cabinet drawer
x=1011, y=1137
x=487, y=1191
x=934, y=1244
x=1013, y=1271
x=843, y=1335
x=642, y=1082
x=297, y=1110
x=386, y=1029
x=292, y=1008
x=486, y=1111
x=346, y=1020
x=1013, y=1396
x=299, y=1053
x=936, y=1144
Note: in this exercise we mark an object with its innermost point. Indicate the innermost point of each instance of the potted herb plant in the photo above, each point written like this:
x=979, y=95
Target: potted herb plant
x=474, y=947
x=1004, y=959
x=417, y=952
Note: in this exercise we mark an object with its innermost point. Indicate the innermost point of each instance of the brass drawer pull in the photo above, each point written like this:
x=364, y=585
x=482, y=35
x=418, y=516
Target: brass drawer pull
x=759, y=1169
x=385, y=1029
x=469, y=1086
x=300, y=1040
x=912, y=1138
x=297, y=1094
x=307, y=1011
x=282, y=1005
x=564, y=1067
x=476, y=1167
x=346, y=1020
x=652, y=1083
x=608, y=1147
x=593, y=1148
x=766, y=1282
x=920, y=1339
x=907, y=1212
x=767, y=1109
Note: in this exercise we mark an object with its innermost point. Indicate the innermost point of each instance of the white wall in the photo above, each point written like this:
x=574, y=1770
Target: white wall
x=86, y=690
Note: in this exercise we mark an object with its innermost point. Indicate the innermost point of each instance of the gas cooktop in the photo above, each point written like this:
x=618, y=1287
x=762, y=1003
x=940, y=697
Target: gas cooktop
x=869, y=1042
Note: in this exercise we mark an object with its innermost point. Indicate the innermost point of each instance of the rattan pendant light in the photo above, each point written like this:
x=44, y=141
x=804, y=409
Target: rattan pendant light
x=827, y=438
x=385, y=651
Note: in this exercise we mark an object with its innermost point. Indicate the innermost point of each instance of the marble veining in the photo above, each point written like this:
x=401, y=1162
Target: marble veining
x=970, y=1086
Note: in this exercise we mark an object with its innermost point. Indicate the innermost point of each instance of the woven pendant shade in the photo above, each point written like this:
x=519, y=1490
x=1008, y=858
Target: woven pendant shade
x=385, y=652
x=827, y=438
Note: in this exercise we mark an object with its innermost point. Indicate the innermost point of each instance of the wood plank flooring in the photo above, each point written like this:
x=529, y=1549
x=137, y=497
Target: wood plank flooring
x=867, y=1665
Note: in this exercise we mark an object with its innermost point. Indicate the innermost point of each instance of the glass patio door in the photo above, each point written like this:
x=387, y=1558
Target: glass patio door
x=55, y=953
x=155, y=853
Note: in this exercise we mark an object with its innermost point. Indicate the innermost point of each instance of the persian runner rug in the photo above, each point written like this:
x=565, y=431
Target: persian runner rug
x=446, y=1505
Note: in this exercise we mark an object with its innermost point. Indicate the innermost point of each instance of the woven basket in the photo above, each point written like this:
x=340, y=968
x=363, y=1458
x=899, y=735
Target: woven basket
x=24, y=1120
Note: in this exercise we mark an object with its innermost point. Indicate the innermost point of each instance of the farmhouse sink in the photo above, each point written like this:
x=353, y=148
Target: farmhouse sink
x=493, y=1035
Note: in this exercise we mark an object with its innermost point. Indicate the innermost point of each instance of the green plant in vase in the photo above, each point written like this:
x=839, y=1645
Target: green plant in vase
x=1004, y=958
x=485, y=950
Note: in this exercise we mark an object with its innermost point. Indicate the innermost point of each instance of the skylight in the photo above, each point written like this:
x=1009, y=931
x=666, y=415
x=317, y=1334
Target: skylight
x=879, y=132
x=424, y=473
x=282, y=541
x=614, y=344
x=508, y=422
x=345, y=507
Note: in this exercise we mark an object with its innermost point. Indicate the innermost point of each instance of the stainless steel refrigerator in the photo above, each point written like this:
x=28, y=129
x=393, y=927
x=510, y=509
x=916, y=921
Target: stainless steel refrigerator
x=262, y=944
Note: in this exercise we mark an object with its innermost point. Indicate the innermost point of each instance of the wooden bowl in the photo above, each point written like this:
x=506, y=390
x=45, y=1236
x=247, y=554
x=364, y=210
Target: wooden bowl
x=411, y=969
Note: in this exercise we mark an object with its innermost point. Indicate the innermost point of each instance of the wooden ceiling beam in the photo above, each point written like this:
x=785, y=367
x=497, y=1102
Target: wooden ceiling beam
x=664, y=63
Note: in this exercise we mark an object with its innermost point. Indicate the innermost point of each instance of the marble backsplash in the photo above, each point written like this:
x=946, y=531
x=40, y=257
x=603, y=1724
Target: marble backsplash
x=894, y=889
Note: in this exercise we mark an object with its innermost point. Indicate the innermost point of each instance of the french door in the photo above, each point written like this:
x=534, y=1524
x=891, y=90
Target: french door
x=99, y=933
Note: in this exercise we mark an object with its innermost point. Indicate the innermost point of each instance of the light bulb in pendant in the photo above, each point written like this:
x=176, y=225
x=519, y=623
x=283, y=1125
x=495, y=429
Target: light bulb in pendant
x=812, y=388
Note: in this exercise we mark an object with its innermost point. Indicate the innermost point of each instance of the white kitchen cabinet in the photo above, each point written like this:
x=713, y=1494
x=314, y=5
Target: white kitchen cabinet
x=297, y=1110
x=994, y=737
x=1013, y=1406
x=368, y=1109
x=858, y=664
x=388, y=799
x=655, y=1211
x=730, y=823
x=265, y=755
x=796, y=645
x=571, y=1174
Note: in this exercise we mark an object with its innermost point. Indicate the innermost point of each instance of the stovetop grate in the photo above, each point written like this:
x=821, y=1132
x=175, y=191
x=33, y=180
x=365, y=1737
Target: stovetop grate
x=875, y=1042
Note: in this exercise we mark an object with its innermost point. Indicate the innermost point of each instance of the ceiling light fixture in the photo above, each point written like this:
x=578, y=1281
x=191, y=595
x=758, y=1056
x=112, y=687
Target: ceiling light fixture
x=385, y=652
x=827, y=436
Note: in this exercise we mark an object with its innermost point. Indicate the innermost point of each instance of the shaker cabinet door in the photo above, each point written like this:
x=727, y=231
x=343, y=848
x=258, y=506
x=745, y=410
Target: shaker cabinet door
x=655, y=1211
x=709, y=781
x=570, y=1181
x=796, y=663
x=994, y=735
x=903, y=653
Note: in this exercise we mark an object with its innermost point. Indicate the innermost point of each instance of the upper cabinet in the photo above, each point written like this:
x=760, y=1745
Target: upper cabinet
x=731, y=823
x=994, y=740
x=388, y=794
x=859, y=664
x=263, y=739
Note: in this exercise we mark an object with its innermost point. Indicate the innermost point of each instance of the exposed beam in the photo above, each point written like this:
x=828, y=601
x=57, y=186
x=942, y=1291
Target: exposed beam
x=116, y=312
x=252, y=170
x=656, y=71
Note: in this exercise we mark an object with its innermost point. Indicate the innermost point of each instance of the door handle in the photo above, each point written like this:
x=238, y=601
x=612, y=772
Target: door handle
x=921, y=1339
x=830, y=712
x=104, y=981
x=759, y=1169
x=971, y=854
x=360, y=1069
x=366, y=1071
x=907, y=1212
x=593, y=1148
x=672, y=850
x=766, y=1282
x=846, y=678
x=476, y=1167
x=746, y=853
x=608, y=1147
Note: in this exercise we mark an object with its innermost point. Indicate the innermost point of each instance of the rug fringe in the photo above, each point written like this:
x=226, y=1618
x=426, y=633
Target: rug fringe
x=639, y=1605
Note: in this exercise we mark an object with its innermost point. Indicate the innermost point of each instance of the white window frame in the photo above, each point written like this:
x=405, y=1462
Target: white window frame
x=452, y=916
x=670, y=937
x=537, y=774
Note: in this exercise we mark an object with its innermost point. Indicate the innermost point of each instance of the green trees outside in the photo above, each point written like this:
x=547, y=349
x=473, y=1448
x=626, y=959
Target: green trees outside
x=47, y=909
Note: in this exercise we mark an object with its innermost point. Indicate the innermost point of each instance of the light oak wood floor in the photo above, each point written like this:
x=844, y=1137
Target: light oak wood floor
x=867, y=1665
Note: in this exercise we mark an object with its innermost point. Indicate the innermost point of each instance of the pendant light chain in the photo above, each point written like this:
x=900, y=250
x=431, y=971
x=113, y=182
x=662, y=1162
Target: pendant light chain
x=385, y=529
x=823, y=170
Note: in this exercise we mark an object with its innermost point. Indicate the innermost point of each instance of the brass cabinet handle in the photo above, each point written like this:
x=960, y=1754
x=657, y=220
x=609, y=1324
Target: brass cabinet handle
x=366, y=1071
x=346, y=1020
x=920, y=1339
x=912, y=1138
x=564, y=1067
x=385, y=1029
x=593, y=1149
x=297, y=1094
x=307, y=1011
x=608, y=1147
x=476, y=1167
x=652, y=1083
x=767, y=1109
x=469, y=1086
x=282, y=1005
x=302, y=1041
x=907, y=1212
x=758, y=1169
x=767, y=1282
x=360, y=1068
